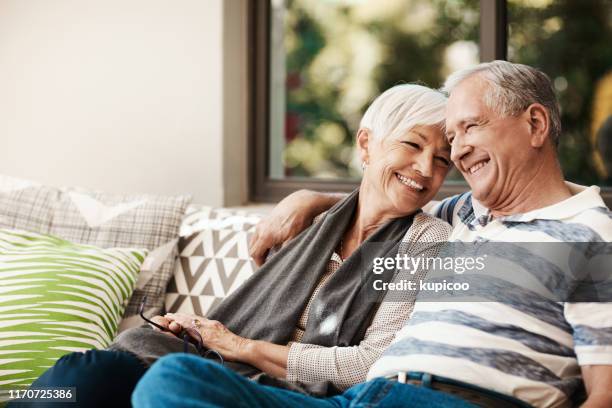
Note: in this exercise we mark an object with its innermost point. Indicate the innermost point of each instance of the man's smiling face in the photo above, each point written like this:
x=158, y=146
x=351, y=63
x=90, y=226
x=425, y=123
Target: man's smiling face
x=490, y=149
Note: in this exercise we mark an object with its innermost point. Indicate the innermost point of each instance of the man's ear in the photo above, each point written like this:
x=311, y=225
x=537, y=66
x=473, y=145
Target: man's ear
x=363, y=141
x=539, y=124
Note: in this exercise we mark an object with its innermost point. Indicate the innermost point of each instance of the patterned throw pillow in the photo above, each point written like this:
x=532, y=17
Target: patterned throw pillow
x=58, y=297
x=213, y=259
x=104, y=220
x=141, y=221
x=26, y=205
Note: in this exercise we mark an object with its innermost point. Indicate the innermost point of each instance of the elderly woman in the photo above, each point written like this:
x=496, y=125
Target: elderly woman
x=307, y=320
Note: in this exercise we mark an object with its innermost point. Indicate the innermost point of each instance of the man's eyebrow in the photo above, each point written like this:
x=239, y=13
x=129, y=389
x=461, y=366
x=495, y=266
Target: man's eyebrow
x=469, y=119
x=462, y=123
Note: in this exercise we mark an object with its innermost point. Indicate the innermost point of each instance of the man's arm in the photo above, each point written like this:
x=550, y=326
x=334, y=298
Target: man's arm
x=598, y=382
x=290, y=217
x=293, y=215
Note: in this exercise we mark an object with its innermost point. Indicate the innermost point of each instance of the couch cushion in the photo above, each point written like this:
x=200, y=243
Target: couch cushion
x=213, y=259
x=142, y=221
x=58, y=297
x=104, y=220
x=26, y=205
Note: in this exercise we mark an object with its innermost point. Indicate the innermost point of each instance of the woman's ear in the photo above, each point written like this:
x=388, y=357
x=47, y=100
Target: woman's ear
x=363, y=140
x=539, y=124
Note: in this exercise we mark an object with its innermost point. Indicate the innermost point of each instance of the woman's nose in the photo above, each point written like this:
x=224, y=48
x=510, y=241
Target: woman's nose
x=423, y=165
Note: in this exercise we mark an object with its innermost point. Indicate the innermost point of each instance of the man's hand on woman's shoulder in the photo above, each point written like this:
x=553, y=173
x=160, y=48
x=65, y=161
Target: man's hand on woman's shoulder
x=290, y=217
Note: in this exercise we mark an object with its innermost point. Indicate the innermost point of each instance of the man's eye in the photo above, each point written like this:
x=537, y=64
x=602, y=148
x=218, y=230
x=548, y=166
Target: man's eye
x=471, y=125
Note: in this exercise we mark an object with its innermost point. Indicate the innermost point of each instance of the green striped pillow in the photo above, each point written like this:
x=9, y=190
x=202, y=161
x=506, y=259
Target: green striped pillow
x=57, y=297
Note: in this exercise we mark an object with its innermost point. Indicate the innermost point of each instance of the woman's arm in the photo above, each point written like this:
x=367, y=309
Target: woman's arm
x=268, y=357
x=344, y=366
x=347, y=366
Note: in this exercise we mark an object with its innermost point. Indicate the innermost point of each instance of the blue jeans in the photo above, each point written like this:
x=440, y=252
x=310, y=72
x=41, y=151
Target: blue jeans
x=181, y=380
x=102, y=378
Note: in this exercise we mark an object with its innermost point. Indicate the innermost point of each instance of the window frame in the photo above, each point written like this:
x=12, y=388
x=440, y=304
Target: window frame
x=262, y=188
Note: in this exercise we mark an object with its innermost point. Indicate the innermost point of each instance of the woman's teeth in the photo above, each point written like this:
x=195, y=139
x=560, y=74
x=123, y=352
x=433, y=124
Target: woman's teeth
x=478, y=166
x=409, y=182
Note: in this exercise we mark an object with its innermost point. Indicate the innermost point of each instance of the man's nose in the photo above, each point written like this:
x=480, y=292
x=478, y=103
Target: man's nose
x=459, y=149
x=423, y=165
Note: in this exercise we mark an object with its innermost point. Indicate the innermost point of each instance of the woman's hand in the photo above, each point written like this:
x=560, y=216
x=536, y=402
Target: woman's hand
x=173, y=326
x=214, y=336
x=268, y=357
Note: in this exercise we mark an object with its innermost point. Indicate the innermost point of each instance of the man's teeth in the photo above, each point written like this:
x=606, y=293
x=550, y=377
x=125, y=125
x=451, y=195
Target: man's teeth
x=409, y=182
x=478, y=166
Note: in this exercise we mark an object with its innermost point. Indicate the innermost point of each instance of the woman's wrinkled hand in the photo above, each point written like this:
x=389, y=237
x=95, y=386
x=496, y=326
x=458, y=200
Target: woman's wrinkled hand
x=173, y=326
x=215, y=336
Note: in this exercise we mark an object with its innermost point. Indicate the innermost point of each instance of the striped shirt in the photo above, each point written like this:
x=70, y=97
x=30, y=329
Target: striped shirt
x=533, y=354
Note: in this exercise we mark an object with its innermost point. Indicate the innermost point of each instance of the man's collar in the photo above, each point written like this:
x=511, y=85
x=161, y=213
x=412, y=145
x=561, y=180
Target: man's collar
x=479, y=209
x=583, y=198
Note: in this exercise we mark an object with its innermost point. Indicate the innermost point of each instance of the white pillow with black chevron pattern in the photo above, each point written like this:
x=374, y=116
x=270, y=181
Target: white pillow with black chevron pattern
x=200, y=218
x=58, y=297
x=213, y=258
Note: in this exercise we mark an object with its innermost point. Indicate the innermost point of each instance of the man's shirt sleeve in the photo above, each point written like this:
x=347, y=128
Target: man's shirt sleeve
x=592, y=331
x=445, y=209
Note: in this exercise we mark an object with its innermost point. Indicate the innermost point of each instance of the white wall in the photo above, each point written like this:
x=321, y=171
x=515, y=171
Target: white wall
x=125, y=95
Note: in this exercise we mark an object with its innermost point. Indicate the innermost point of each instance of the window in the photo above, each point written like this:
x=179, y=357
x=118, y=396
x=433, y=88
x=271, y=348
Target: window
x=570, y=41
x=330, y=59
x=317, y=64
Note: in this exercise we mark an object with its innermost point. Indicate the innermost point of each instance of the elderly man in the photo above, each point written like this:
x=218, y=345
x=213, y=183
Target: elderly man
x=503, y=124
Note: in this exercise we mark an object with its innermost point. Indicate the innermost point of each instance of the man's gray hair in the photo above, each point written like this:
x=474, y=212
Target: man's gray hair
x=513, y=87
x=401, y=108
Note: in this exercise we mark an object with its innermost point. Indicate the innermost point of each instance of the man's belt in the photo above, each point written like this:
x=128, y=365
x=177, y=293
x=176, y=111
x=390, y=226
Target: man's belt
x=471, y=393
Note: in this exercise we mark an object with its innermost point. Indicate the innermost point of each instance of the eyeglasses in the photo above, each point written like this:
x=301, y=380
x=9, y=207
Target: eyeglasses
x=187, y=334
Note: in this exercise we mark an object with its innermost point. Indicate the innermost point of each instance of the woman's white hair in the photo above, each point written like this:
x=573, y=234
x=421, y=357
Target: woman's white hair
x=401, y=108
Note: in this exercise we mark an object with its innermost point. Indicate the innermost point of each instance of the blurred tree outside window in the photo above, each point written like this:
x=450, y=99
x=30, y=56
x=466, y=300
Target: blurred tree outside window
x=570, y=41
x=331, y=58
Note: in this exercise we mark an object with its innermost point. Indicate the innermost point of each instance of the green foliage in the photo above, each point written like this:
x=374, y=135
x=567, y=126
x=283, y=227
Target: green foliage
x=569, y=40
x=341, y=54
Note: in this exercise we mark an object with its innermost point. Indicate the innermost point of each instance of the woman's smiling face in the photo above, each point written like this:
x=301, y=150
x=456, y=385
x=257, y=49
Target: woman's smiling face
x=407, y=171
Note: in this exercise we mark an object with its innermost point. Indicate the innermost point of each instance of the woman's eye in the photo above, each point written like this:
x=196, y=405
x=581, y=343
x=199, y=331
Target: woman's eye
x=443, y=160
x=471, y=125
x=411, y=144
